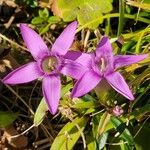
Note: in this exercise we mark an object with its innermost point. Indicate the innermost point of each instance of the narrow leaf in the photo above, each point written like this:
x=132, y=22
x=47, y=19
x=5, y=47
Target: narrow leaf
x=69, y=134
x=101, y=141
x=40, y=113
x=121, y=128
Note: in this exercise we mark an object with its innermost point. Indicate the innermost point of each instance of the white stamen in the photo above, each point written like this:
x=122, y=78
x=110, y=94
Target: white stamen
x=49, y=64
x=103, y=65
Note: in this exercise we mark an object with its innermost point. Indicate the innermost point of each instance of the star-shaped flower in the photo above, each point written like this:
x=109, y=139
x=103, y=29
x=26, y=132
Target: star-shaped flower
x=102, y=65
x=48, y=64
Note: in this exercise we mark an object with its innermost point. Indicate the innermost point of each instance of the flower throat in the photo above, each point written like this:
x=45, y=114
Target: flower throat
x=49, y=64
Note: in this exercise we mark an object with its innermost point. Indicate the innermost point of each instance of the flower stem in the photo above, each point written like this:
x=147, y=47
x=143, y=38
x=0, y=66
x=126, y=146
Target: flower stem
x=121, y=17
x=107, y=28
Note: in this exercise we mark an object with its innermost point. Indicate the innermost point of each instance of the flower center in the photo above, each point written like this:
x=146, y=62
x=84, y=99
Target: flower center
x=49, y=64
x=102, y=64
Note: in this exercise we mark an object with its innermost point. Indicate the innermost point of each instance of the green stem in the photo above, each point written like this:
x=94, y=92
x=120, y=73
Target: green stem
x=121, y=17
x=107, y=28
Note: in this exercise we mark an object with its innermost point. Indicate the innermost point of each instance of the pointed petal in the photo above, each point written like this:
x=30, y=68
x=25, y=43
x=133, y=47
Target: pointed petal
x=73, y=69
x=64, y=41
x=104, y=48
x=33, y=41
x=124, y=60
x=51, y=90
x=82, y=58
x=23, y=74
x=119, y=84
x=85, y=84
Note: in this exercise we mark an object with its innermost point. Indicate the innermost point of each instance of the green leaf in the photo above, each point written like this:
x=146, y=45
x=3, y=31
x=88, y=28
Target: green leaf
x=88, y=97
x=102, y=6
x=70, y=15
x=84, y=11
x=69, y=8
x=89, y=111
x=101, y=141
x=69, y=4
x=90, y=10
x=44, y=13
x=84, y=104
x=121, y=128
x=104, y=121
x=69, y=134
x=53, y=19
x=128, y=46
x=65, y=89
x=44, y=29
x=87, y=14
x=40, y=113
x=37, y=20
x=7, y=118
x=86, y=101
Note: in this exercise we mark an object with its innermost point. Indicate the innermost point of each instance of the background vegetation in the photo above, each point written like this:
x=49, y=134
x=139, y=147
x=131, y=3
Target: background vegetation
x=87, y=122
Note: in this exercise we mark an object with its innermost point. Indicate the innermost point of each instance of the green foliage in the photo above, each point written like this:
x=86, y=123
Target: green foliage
x=122, y=129
x=44, y=13
x=69, y=134
x=44, y=20
x=66, y=89
x=88, y=120
x=84, y=11
x=84, y=104
x=7, y=118
x=101, y=141
x=140, y=112
x=91, y=142
x=142, y=137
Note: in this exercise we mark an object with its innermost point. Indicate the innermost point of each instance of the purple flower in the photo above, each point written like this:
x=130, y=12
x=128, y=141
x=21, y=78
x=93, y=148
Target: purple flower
x=102, y=65
x=47, y=64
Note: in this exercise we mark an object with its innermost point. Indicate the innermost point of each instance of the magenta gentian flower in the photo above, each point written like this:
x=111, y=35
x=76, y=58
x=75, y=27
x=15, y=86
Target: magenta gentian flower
x=102, y=65
x=48, y=64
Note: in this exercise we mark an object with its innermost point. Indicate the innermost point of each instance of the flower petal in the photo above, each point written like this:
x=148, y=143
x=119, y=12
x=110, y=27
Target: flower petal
x=82, y=58
x=23, y=74
x=34, y=42
x=104, y=53
x=51, y=90
x=85, y=84
x=73, y=69
x=104, y=48
x=119, y=84
x=64, y=41
x=124, y=60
